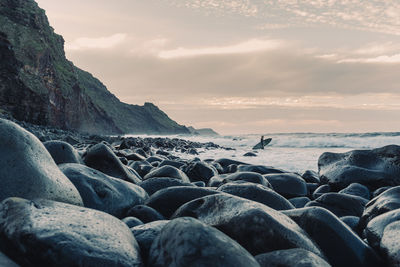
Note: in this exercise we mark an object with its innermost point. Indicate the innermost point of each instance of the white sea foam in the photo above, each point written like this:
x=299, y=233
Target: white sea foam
x=291, y=151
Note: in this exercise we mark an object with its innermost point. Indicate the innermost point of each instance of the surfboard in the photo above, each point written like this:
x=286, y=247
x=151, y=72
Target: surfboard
x=266, y=142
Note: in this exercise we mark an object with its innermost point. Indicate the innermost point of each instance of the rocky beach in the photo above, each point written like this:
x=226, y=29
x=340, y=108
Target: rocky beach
x=78, y=200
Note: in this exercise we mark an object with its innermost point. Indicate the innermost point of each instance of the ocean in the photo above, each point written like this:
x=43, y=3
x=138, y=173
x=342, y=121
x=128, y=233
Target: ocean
x=294, y=152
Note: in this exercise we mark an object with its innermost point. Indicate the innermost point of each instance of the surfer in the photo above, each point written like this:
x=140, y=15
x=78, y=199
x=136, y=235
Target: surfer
x=262, y=142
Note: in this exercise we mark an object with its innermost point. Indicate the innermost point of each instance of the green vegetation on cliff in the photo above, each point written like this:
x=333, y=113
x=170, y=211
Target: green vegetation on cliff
x=39, y=85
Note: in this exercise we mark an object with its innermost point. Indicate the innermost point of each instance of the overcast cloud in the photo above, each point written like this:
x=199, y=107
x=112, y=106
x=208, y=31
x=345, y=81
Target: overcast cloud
x=244, y=66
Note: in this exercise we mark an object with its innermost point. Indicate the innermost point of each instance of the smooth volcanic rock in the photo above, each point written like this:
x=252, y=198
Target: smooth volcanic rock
x=6, y=261
x=141, y=167
x=48, y=233
x=132, y=221
x=129, y=155
x=341, y=246
x=373, y=168
x=145, y=235
x=168, y=200
x=299, y=202
x=351, y=221
x=323, y=189
x=387, y=201
x=295, y=257
x=340, y=204
x=199, y=171
x=102, y=192
x=153, y=185
x=224, y=163
x=288, y=185
x=310, y=176
x=62, y=152
x=251, y=177
x=27, y=169
x=375, y=228
x=256, y=227
x=168, y=171
x=380, y=190
x=357, y=189
x=258, y=193
x=261, y=169
x=173, y=163
x=145, y=213
x=250, y=154
x=390, y=245
x=189, y=242
x=102, y=158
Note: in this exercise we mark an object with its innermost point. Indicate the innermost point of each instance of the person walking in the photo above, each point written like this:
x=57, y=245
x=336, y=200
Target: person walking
x=262, y=142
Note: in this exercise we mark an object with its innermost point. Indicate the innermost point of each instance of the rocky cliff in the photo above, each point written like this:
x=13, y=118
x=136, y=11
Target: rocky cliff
x=39, y=85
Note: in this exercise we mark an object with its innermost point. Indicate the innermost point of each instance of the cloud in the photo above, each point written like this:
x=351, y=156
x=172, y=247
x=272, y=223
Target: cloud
x=96, y=43
x=250, y=46
x=380, y=59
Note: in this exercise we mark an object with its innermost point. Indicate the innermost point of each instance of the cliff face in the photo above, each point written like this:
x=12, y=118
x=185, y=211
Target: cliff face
x=39, y=85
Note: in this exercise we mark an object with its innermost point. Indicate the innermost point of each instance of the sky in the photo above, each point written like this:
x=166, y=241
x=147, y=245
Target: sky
x=244, y=66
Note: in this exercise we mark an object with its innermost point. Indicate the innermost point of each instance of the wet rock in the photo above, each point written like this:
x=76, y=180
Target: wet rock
x=288, y=185
x=390, y=246
x=145, y=235
x=321, y=190
x=168, y=171
x=373, y=168
x=356, y=189
x=380, y=190
x=224, y=163
x=153, y=185
x=102, y=192
x=6, y=261
x=102, y=158
x=387, y=201
x=145, y=213
x=340, y=204
x=310, y=176
x=351, y=221
x=252, y=177
x=129, y=155
x=189, y=242
x=250, y=154
x=132, y=221
x=375, y=228
x=176, y=164
x=27, y=169
x=49, y=233
x=256, y=227
x=341, y=246
x=199, y=171
x=299, y=202
x=258, y=193
x=141, y=167
x=63, y=152
x=154, y=159
x=199, y=184
x=168, y=200
x=261, y=169
x=295, y=257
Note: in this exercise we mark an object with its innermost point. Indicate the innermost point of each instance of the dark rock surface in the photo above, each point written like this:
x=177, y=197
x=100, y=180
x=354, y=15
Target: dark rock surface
x=132, y=221
x=310, y=176
x=252, y=177
x=62, y=152
x=200, y=171
x=340, y=204
x=341, y=246
x=373, y=168
x=68, y=236
x=168, y=171
x=357, y=189
x=102, y=158
x=145, y=235
x=27, y=169
x=189, y=242
x=261, y=169
x=390, y=246
x=385, y=202
x=153, y=185
x=168, y=200
x=295, y=257
x=6, y=261
x=255, y=226
x=102, y=192
x=258, y=193
x=145, y=213
x=288, y=185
